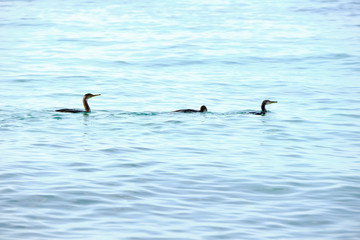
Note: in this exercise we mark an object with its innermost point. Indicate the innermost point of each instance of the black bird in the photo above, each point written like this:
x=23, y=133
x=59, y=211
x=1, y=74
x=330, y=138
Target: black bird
x=202, y=109
x=86, y=105
x=263, y=109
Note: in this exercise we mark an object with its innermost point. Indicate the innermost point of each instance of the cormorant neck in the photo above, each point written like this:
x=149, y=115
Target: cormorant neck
x=263, y=109
x=86, y=105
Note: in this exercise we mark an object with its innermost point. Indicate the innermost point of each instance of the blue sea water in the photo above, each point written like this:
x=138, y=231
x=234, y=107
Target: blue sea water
x=133, y=169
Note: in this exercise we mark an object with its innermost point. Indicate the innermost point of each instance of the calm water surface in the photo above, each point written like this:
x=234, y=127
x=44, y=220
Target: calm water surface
x=132, y=169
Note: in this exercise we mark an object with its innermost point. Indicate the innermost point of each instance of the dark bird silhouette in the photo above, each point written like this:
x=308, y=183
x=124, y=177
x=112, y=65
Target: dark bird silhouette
x=263, y=109
x=86, y=105
x=202, y=109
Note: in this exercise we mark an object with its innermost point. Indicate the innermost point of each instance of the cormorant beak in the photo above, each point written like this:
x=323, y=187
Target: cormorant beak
x=94, y=95
x=271, y=102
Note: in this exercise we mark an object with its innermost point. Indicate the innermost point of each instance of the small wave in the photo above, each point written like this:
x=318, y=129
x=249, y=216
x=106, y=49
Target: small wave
x=356, y=116
x=119, y=62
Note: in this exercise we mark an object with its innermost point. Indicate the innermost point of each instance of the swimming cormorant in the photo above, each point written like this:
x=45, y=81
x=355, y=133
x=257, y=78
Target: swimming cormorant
x=263, y=109
x=86, y=105
x=202, y=109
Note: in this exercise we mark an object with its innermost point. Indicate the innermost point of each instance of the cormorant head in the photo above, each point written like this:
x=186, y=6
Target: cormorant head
x=267, y=102
x=89, y=95
x=203, y=108
x=264, y=103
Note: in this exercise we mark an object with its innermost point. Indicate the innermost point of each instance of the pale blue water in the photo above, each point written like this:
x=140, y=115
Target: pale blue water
x=132, y=169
